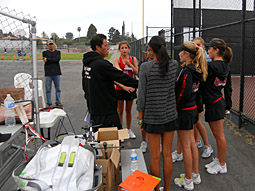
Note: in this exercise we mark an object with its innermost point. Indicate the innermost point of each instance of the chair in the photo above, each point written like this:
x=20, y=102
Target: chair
x=40, y=92
x=23, y=80
x=49, y=118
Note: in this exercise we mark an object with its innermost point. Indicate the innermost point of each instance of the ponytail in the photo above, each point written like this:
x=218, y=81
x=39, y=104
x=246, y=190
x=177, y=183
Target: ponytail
x=228, y=55
x=224, y=50
x=163, y=58
x=200, y=62
x=158, y=45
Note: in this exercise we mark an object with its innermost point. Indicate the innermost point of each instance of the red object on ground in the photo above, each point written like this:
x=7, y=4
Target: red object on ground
x=2, y=57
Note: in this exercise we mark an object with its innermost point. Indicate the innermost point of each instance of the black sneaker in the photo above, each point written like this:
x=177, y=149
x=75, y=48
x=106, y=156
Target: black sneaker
x=49, y=105
x=59, y=105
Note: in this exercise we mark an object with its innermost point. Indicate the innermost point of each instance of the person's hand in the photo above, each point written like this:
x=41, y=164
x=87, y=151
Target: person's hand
x=227, y=112
x=128, y=89
x=127, y=62
x=45, y=59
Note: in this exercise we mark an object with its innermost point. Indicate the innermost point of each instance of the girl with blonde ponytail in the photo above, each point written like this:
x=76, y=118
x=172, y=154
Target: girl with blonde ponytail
x=194, y=70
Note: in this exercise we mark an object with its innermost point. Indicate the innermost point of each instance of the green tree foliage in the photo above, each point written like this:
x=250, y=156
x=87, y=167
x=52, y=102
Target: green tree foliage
x=116, y=37
x=69, y=35
x=54, y=36
x=1, y=33
x=91, y=31
x=44, y=35
x=111, y=34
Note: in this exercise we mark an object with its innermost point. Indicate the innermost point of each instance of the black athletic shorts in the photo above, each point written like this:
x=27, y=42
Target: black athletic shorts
x=106, y=121
x=200, y=108
x=124, y=95
x=215, y=111
x=187, y=118
x=161, y=128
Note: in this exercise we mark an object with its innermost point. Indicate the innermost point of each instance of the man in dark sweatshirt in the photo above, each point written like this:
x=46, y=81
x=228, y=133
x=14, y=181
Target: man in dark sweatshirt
x=98, y=76
x=51, y=58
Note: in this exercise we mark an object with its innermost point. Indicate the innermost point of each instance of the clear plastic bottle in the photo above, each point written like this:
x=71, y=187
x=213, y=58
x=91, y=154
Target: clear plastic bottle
x=9, y=111
x=134, y=162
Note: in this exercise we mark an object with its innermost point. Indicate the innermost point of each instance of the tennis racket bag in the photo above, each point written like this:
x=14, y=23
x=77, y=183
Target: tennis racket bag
x=65, y=167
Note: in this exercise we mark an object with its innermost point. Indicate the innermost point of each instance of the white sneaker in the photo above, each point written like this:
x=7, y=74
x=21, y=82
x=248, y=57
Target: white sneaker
x=143, y=146
x=199, y=144
x=207, y=151
x=215, y=160
x=196, y=178
x=187, y=184
x=217, y=168
x=161, y=189
x=176, y=156
x=131, y=134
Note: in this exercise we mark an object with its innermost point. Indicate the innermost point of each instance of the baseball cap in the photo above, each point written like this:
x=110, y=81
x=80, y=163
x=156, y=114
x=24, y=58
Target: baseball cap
x=50, y=42
x=4, y=137
x=182, y=47
x=214, y=44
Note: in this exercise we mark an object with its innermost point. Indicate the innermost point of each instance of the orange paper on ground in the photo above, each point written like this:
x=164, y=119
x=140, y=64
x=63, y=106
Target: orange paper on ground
x=139, y=181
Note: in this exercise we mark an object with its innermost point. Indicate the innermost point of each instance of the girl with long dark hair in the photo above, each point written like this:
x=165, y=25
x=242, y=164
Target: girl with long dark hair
x=157, y=108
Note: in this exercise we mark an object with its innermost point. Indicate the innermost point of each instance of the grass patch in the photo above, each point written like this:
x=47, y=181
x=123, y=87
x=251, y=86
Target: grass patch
x=64, y=56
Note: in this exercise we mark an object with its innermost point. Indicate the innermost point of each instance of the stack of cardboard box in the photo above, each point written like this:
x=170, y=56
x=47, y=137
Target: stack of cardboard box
x=110, y=174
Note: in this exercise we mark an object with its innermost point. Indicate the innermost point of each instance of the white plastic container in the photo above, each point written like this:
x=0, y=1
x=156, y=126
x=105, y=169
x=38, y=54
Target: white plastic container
x=9, y=111
x=134, y=162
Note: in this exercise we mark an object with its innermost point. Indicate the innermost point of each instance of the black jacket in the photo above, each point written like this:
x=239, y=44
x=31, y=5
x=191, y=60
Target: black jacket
x=187, y=86
x=98, y=76
x=219, y=76
x=52, y=67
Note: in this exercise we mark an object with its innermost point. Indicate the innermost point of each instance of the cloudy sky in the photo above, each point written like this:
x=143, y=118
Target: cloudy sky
x=63, y=16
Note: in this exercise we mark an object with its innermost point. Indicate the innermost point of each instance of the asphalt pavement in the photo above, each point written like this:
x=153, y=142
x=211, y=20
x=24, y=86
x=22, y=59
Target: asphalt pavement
x=240, y=155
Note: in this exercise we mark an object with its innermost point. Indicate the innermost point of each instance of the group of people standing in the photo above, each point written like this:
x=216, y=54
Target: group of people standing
x=167, y=101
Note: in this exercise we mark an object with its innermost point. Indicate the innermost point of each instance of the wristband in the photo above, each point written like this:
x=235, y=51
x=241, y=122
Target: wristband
x=140, y=121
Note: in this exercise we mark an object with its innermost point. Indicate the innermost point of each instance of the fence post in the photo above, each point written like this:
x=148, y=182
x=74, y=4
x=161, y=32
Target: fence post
x=172, y=24
x=241, y=121
x=194, y=19
x=35, y=81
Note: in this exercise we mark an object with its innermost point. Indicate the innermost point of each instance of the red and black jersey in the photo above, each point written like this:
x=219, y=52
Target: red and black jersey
x=187, y=85
x=219, y=77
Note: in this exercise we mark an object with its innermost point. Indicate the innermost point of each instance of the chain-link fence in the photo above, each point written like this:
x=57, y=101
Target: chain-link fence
x=233, y=21
x=18, y=76
x=18, y=54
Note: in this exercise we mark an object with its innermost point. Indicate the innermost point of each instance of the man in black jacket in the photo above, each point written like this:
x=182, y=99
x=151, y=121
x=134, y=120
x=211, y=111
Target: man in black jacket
x=98, y=78
x=51, y=58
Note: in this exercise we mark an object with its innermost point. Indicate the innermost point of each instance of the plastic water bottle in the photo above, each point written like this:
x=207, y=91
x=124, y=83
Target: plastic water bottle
x=134, y=162
x=9, y=111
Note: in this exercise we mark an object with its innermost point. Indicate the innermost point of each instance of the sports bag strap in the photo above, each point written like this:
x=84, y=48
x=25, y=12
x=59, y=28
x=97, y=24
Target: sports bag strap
x=66, y=163
x=28, y=184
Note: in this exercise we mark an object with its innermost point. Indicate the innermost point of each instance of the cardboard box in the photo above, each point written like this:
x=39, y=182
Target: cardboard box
x=111, y=173
x=111, y=135
x=108, y=168
x=16, y=93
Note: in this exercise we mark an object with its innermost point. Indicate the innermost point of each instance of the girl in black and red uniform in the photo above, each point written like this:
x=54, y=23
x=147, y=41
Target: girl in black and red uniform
x=194, y=70
x=128, y=65
x=215, y=106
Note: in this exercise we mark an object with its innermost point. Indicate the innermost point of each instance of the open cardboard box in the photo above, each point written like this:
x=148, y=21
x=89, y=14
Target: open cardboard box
x=111, y=135
x=108, y=168
x=111, y=173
